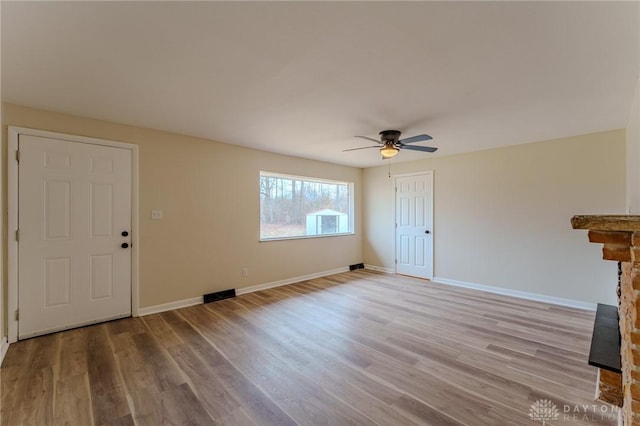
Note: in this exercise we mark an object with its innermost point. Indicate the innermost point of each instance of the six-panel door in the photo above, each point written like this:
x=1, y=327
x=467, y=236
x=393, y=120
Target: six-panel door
x=74, y=206
x=414, y=238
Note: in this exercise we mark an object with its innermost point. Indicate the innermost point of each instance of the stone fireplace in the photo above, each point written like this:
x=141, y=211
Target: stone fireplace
x=620, y=236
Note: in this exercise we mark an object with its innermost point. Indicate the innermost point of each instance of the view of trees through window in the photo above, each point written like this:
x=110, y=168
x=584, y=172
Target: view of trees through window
x=292, y=206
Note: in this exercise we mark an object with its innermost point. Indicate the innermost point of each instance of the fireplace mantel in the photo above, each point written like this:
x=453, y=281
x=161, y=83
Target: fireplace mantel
x=627, y=223
x=620, y=235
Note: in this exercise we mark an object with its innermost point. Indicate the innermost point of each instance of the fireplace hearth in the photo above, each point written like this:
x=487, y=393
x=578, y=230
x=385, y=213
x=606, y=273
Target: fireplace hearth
x=605, y=355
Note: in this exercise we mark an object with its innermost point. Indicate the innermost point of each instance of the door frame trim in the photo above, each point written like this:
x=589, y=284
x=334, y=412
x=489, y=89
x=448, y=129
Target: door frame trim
x=12, y=225
x=395, y=218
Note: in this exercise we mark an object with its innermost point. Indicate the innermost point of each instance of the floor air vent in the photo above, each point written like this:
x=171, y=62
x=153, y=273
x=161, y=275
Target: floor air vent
x=220, y=295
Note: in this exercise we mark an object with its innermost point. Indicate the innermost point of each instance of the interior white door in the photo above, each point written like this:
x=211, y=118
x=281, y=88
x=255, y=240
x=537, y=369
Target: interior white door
x=74, y=219
x=414, y=219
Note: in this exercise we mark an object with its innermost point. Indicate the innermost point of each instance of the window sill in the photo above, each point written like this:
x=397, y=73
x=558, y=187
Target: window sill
x=305, y=237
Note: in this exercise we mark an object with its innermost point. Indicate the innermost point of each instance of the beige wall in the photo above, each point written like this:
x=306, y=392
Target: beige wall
x=208, y=192
x=501, y=216
x=633, y=155
x=2, y=246
x=633, y=151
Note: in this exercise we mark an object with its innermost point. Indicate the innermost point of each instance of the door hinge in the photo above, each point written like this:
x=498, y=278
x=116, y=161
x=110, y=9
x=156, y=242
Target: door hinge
x=17, y=314
x=17, y=235
x=18, y=155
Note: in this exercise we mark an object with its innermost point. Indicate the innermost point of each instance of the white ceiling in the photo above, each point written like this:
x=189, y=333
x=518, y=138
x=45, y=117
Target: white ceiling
x=303, y=78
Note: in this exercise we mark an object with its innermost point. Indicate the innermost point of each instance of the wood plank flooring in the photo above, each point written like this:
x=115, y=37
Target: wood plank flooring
x=358, y=348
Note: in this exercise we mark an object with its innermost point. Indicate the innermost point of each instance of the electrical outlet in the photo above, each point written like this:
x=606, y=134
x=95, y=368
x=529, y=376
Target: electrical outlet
x=245, y=272
x=156, y=214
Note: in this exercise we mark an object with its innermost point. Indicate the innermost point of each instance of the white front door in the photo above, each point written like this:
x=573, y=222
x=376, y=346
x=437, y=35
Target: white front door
x=414, y=219
x=74, y=219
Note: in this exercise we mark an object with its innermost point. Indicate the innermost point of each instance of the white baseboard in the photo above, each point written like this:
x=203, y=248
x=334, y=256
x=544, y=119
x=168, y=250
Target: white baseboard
x=578, y=304
x=379, y=268
x=169, y=306
x=197, y=300
x=4, y=347
x=288, y=281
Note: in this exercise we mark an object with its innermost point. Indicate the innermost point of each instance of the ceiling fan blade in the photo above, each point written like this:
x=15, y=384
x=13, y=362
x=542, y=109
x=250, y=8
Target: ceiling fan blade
x=415, y=139
x=420, y=148
x=370, y=139
x=355, y=149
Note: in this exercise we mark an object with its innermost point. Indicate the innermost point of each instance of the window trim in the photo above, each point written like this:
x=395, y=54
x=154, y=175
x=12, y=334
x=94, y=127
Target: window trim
x=351, y=214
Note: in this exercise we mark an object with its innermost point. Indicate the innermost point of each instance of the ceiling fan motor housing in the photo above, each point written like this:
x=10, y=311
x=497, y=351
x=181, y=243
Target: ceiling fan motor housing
x=390, y=136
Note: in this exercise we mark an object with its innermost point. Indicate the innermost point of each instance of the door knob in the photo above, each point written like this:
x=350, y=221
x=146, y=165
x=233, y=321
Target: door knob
x=124, y=245
x=125, y=233
x=427, y=232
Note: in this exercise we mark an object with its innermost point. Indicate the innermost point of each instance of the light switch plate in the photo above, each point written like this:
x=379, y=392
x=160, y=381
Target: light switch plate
x=156, y=214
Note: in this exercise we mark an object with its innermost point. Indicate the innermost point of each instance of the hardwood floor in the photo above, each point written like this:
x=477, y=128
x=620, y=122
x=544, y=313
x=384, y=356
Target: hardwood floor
x=356, y=348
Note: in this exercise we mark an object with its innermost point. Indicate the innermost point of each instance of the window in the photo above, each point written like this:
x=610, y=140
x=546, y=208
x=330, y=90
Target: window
x=302, y=207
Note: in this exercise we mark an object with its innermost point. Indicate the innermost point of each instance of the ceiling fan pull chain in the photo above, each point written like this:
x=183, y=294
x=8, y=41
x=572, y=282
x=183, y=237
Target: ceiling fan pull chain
x=389, y=167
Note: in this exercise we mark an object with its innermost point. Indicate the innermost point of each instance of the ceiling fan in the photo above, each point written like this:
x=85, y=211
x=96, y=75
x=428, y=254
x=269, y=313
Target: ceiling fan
x=391, y=143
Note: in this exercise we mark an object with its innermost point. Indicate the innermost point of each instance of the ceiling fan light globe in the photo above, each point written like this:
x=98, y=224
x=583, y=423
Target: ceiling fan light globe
x=388, y=151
